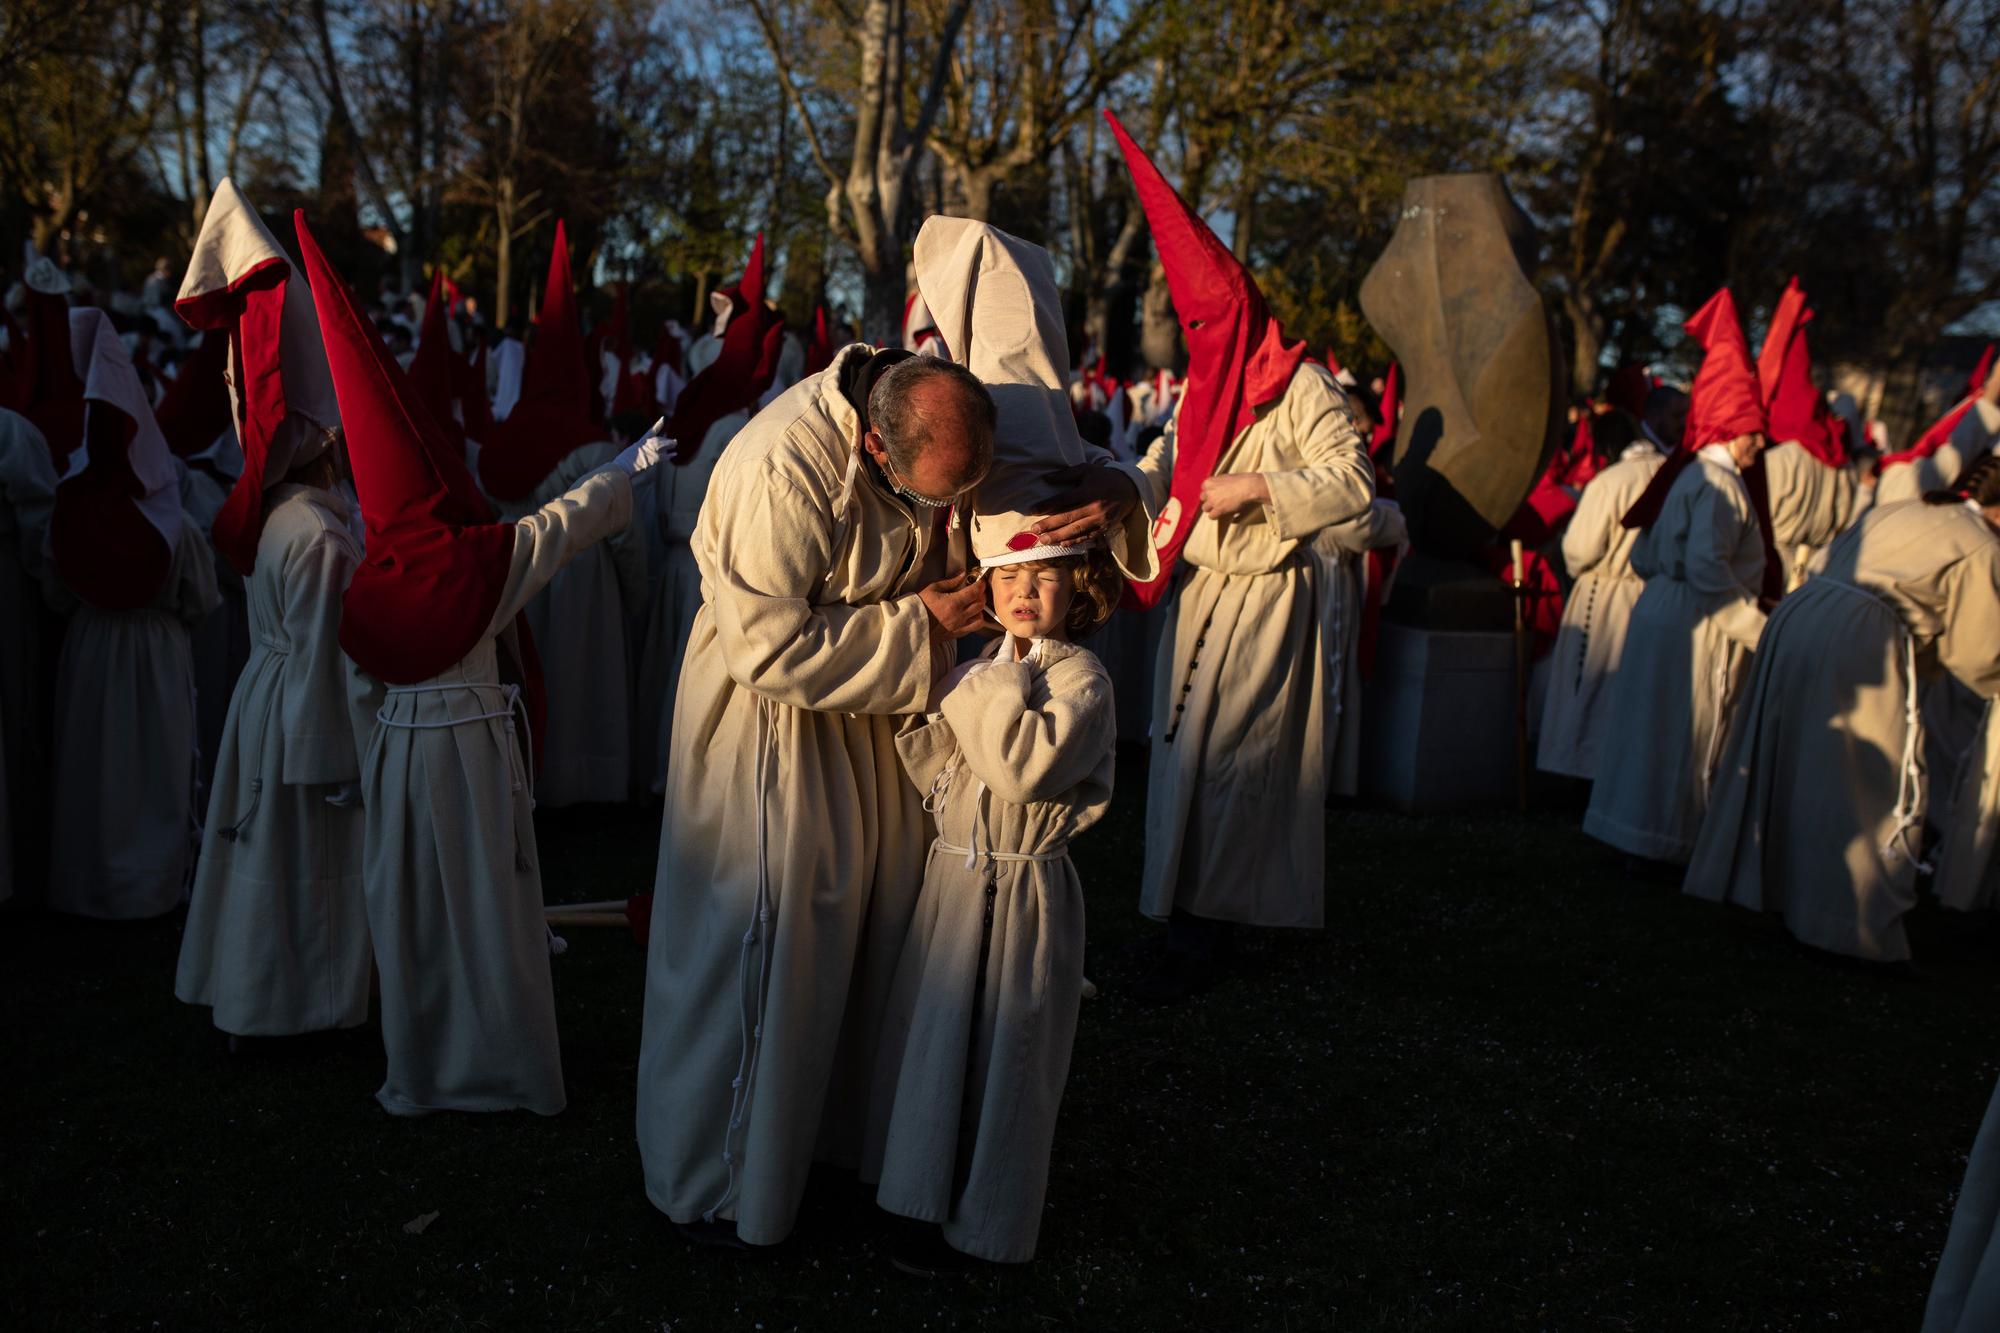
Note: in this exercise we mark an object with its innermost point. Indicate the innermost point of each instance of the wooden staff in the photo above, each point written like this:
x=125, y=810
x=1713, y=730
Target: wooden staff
x=608, y=913
x=1520, y=676
x=585, y=919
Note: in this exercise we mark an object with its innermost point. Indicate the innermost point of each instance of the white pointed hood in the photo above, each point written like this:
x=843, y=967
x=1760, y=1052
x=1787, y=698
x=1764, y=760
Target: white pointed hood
x=998, y=309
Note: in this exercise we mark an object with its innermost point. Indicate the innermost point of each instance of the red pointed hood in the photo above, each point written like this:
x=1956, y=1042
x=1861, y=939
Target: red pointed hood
x=431, y=369
x=1797, y=410
x=1238, y=358
x=819, y=350
x=194, y=411
x=239, y=279
x=1982, y=372
x=1725, y=400
x=54, y=401
x=553, y=417
x=435, y=563
x=730, y=383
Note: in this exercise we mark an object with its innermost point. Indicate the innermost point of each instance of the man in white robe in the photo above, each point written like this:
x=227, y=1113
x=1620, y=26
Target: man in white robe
x=792, y=847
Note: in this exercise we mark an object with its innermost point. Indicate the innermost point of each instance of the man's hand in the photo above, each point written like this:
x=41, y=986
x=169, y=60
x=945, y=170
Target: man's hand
x=957, y=606
x=1226, y=495
x=1095, y=505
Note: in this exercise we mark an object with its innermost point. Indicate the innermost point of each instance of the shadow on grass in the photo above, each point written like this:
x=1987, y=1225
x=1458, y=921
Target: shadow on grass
x=1506, y=1087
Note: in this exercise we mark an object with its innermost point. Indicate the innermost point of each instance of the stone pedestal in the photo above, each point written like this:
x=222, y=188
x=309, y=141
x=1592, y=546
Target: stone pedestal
x=1438, y=720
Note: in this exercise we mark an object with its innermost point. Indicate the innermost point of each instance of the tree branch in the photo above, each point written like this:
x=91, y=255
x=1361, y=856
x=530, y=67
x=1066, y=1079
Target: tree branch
x=791, y=88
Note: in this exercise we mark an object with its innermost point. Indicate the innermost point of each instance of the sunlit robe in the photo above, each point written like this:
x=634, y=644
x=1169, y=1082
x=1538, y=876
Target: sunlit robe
x=1235, y=818
x=1686, y=656
x=450, y=867
x=276, y=940
x=1597, y=550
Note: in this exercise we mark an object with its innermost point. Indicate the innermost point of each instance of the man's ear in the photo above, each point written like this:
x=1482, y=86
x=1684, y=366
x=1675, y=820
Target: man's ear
x=871, y=443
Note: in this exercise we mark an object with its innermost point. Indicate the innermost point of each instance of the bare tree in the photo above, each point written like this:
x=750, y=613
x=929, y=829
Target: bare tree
x=1025, y=75
x=81, y=97
x=1881, y=183
x=867, y=202
x=520, y=55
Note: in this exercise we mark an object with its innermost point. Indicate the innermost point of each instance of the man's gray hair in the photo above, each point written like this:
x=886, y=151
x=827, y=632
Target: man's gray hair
x=906, y=432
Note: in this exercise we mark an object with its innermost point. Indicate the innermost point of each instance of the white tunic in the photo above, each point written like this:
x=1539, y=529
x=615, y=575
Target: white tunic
x=125, y=828
x=1811, y=504
x=1597, y=550
x=1819, y=801
x=1243, y=688
x=579, y=624
x=977, y=1047
x=452, y=876
x=792, y=846
x=1976, y=433
x=1685, y=659
x=678, y=492
x=1968, y=871
x=277, y=932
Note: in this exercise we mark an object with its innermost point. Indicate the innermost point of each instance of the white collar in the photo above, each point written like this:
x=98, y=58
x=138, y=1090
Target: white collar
x=1719, y=454
x=1040, y=648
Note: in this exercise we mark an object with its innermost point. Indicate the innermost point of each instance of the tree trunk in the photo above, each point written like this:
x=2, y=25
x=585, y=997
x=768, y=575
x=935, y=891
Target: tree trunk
x=1902, y=407
x=1587, y=340
x=1159, y=329
x=503, y=252
x=199, y=54
x=976, y=194
x=1246, y=223
x=344, y=121
x=411, y=259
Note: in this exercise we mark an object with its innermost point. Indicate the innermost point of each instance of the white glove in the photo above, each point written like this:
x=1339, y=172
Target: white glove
x=645, y=451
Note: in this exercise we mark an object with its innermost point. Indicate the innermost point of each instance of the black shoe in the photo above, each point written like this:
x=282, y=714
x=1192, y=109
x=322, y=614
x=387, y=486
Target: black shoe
x=713, y=1235
x=920, y=1250
x=1176, y=977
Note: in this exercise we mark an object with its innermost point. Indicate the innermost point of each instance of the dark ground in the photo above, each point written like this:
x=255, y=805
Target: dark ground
x=1506, y=1088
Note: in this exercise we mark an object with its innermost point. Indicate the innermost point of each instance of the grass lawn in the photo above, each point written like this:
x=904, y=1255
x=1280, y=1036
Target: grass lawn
x=1506, y=1087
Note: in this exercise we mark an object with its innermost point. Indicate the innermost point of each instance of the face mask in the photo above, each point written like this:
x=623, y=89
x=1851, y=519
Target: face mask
x=914, y=497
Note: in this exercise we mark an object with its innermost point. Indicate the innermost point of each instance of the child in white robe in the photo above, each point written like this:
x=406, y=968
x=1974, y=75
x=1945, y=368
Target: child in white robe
x=277, y=932
x=450, y=870
x=276, y=942
x=137, y=574
x=1016, y=760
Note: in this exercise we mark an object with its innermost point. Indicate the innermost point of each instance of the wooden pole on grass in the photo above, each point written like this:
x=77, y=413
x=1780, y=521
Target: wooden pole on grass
x=1520, y=676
